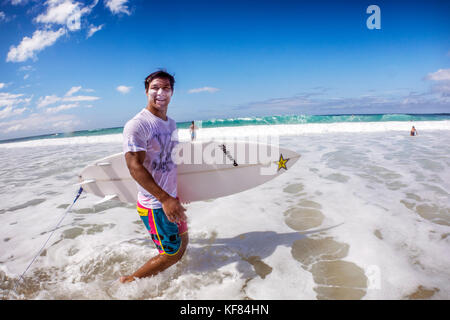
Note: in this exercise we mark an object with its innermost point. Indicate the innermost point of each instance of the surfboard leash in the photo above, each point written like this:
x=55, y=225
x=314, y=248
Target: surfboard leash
x=54, y=229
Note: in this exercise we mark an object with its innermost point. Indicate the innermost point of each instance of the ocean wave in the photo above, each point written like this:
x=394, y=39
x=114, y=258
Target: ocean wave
x=304, y=119
x=252, y=131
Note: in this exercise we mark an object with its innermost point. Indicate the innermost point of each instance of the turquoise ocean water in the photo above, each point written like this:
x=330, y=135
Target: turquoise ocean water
x=252, y=121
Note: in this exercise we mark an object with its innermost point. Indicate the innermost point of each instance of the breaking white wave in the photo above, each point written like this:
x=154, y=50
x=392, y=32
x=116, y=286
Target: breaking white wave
x=251, y=131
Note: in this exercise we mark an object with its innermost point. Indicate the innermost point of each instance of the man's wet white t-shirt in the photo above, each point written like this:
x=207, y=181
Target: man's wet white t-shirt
x=149, y=133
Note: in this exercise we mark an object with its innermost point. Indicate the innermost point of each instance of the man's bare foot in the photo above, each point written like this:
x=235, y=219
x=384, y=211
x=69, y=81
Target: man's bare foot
x=126, y=279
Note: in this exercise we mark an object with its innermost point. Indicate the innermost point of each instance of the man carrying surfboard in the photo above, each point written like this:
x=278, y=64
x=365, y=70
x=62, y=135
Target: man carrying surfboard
x=148, y=142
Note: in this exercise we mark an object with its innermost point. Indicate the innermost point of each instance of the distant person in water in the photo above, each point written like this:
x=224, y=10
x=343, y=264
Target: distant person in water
x=192, y=129
x=413, y=131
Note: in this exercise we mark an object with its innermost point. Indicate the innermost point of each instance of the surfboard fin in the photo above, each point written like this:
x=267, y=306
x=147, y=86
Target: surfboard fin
x=82, y=183
x=107, y=198
x=103, y=164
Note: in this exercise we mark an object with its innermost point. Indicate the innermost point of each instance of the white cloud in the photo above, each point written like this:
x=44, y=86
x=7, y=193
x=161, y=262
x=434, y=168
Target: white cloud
x=9, y=102
x=52, y=99
x=2, y=85
x=26, y=68
x=204, y=89
x=73, y=90
x=58, y=11
x=441, y=85
x=324, y=103
x=79, y=98
x=93, y=29
x=64, y=124
x=65, y=12
x=123, y=89
x=36, y=123
x=29, y=46
x=440, y=75
x=117, y=6
x=62, y=108
x=12, y=128
x=442, y=88
x=16, y=2
x=47, y=100
x=9, y=111
x=8, y=99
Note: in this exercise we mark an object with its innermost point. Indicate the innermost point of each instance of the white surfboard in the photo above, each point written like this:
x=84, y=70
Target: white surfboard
x=205, y=170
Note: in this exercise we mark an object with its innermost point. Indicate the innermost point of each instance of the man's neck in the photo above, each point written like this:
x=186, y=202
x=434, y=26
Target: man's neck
x=158, y=113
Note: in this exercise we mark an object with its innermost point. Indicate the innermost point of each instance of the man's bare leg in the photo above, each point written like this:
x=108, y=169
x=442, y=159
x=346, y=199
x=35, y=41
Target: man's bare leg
x=159, y=263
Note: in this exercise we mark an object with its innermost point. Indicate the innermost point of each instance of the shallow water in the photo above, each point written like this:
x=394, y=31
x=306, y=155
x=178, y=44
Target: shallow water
x=359, y=216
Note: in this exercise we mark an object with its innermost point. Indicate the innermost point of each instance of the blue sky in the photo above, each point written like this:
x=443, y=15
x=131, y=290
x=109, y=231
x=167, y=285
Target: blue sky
x=71, y=65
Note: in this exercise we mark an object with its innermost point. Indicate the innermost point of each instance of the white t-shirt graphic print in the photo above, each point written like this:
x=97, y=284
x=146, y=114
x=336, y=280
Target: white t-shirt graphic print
x=149, y=133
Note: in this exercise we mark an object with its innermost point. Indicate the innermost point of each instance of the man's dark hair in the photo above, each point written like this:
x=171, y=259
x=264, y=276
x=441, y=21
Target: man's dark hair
x=159, y=74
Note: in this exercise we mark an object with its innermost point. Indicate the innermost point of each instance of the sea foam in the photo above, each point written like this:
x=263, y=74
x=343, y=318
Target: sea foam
x=359, y=216
x=253, y=131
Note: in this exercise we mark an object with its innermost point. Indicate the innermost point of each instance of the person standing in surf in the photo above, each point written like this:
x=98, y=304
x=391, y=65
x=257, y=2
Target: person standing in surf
x=192, y=129
x=148, y=140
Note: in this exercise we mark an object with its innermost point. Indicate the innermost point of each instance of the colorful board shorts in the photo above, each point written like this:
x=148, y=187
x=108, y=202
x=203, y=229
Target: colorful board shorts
x=165, y=234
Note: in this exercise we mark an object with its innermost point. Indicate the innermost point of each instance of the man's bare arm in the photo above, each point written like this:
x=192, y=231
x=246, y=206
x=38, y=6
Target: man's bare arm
x=171, y=206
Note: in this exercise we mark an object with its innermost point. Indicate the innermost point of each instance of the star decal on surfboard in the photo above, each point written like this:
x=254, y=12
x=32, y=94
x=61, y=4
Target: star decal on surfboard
x=282, y=162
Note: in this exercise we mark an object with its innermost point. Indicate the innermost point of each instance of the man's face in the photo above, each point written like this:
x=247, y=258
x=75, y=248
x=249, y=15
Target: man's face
x=159, y=93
